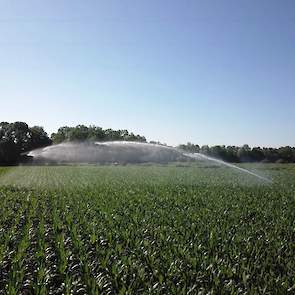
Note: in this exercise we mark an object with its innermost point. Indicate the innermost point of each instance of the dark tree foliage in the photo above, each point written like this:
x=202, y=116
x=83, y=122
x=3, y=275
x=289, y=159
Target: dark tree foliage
x=93, y=133
x=8, y=153
x=244, y=154
x=38, y=138
x=189, y=147
x=17, y=138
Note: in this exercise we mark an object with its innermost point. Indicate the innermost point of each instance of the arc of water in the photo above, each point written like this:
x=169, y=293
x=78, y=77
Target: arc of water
x=54, y=150
x=202, y=156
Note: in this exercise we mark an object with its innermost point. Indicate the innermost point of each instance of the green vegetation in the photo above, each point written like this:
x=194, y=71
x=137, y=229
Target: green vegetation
x=244, y=154
x=147, y=229
x=17, y=138
x=93, y=133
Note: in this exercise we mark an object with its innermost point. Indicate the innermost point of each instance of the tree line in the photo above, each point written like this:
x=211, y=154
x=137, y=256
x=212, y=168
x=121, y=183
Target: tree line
x=245, y=153
x=93, y=133
x=18, y=138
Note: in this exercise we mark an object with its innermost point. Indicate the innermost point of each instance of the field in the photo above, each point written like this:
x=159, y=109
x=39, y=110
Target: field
x=147, y=230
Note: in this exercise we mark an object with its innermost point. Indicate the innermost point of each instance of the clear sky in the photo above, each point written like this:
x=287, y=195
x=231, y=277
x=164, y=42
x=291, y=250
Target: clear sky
x=209, y=72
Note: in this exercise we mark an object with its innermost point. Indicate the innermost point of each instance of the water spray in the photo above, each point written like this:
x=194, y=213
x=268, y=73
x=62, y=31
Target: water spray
x=204, y=157
x=122, y=152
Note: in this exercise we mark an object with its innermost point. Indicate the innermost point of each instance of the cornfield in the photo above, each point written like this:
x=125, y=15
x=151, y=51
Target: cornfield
x=146, y=230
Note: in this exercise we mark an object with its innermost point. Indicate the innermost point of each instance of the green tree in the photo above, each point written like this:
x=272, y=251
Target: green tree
x=286, y=154
x=18, y=137
x=38, y=137
x=244, y=153
x=8, y=152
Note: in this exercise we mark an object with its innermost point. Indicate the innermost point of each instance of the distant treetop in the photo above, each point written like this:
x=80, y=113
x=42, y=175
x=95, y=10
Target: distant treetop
x=17, y=138
x=93, y=133
x=244, y=153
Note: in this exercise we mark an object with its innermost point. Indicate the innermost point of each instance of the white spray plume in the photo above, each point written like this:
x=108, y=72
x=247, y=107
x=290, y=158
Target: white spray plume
x=218, y=161
x=106, y=152
x=122, y=152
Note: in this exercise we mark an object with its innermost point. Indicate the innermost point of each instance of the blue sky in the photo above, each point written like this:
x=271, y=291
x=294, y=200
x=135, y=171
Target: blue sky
x=209, y=72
